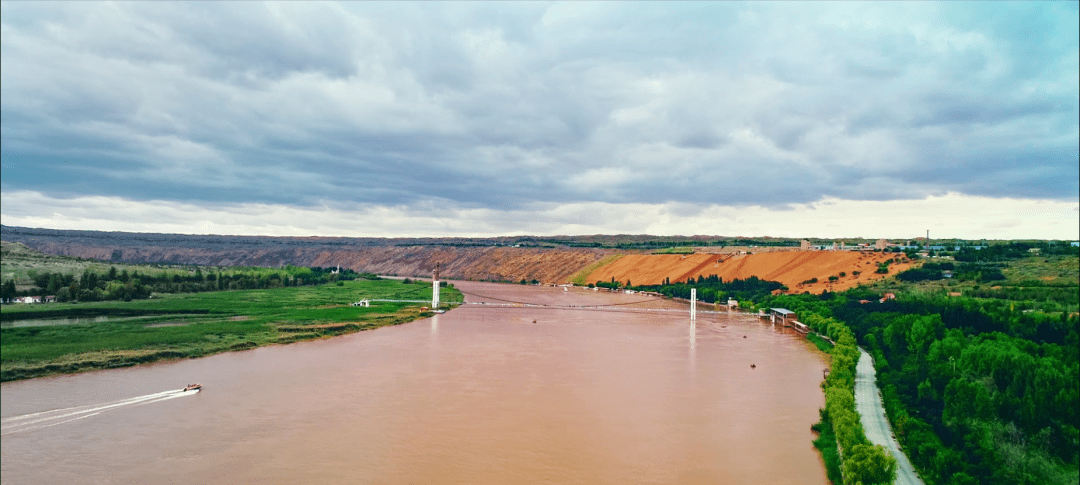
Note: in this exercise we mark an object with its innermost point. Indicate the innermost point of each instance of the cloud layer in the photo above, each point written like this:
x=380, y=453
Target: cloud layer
x=454, y=110
x=947, y=216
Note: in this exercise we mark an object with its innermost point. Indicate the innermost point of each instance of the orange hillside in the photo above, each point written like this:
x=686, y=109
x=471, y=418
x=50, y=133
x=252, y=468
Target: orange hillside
x=790, y=268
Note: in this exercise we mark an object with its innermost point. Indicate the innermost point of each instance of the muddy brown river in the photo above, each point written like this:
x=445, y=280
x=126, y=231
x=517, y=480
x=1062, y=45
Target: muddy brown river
x=476, y=395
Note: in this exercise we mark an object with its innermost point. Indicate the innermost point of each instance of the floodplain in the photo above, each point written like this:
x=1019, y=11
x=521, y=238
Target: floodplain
x=186, y=325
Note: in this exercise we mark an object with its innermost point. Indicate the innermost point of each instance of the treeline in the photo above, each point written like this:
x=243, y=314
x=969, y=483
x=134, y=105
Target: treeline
x=933, y=271
x=977, y=392
x=127, y=286
x=1015, y=250
x=862, y=461
x=710, y=289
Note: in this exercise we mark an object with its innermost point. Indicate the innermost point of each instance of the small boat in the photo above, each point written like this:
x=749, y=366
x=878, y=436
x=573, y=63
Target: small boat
x=192, y=387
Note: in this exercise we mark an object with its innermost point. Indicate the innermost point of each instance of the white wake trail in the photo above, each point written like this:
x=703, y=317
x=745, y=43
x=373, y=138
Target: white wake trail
x=46, y=419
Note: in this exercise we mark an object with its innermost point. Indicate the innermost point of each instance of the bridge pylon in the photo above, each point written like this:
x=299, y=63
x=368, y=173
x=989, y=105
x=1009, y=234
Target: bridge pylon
x=693, y=304
x=435, y=288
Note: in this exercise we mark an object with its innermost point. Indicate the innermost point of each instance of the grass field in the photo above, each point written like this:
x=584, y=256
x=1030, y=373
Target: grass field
x=1051, y=270
x=822, y=344
x=1048, y=284
x=580, y=277
x=675, y=250
x=196, y=324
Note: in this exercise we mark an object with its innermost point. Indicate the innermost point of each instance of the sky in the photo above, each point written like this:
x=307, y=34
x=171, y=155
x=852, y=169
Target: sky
x=371, y=119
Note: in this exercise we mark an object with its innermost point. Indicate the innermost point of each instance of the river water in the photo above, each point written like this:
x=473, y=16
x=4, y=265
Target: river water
x=475, y=395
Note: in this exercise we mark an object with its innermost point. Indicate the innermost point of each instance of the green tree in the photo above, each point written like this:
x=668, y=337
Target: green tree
x=8, y=291
x=868, y=465
x=55, y=282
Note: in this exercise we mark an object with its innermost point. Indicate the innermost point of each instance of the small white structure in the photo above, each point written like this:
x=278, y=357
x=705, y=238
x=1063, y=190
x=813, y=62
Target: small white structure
x=732, y=303
x=363, y=303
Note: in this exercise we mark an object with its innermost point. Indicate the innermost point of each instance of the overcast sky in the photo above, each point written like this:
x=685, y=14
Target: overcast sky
x=472, y=119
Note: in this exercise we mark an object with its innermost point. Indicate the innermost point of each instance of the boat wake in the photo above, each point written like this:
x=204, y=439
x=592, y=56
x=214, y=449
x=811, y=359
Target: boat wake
x=55, y=417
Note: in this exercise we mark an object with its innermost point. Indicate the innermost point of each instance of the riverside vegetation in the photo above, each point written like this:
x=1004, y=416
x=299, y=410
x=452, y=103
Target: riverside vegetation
x=76, y=279
x=980, y=387
x=187, y=325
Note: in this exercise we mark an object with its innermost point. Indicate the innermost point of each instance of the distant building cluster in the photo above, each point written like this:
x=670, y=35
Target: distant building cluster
x=881, y=245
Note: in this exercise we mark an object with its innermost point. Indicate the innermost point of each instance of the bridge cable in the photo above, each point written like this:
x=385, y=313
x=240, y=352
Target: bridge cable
x=544, y=304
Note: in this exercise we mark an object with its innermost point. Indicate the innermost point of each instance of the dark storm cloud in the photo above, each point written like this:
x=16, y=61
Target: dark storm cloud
x=503, y=106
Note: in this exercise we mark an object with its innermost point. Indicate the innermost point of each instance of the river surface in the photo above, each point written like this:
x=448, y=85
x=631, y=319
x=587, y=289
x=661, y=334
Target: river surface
x=475, y=395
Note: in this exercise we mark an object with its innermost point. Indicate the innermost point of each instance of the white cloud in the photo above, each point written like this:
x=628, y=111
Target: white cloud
x=507, y=107
x=947, y=216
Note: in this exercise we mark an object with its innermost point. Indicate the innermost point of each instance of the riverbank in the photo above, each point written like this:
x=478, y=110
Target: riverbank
x=193, y=325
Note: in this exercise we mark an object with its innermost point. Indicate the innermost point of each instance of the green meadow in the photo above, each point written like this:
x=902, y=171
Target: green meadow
x=36, y=340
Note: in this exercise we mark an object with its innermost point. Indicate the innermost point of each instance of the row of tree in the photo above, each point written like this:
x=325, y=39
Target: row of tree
x=1015, y=250
x=124, y=285
x=862, y=462
x=710, y=289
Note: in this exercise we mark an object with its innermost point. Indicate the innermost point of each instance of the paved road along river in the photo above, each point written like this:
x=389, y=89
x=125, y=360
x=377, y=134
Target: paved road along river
x=874, y=421
x=475, y=395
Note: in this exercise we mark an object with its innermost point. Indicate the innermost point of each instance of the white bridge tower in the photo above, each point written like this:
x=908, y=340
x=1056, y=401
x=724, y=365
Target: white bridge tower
x=693, y=304
x=435, y=288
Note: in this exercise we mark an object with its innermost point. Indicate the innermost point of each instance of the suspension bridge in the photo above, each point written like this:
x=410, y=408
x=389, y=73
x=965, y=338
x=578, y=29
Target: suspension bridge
x=495, y=302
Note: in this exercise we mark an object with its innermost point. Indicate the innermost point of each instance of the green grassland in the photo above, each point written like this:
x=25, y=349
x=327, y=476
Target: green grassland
x=675, y=250
x=579, y=278
x=196, y=324
x=1048, y=284
x=1049, y=271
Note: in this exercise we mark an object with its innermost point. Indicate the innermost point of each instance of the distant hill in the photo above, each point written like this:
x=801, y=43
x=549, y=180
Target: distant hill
x=792, y=268
x=460, y=258
x=554, y=259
